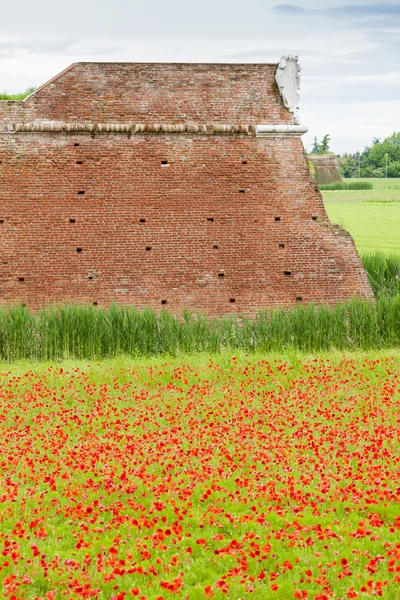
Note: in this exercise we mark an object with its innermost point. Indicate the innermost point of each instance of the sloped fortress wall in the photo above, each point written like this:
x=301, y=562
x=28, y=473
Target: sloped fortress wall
x=166, y=186
x=325, y=168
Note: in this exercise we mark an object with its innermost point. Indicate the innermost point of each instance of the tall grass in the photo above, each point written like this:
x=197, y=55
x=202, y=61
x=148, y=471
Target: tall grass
x=352, y=185
x=383, y=273
x=88, y=332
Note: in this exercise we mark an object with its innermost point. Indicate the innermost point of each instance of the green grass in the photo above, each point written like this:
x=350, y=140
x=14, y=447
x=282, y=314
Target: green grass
x=87, y=332
x=356, y=196
x=372, y=217
x=347, y=185
x=232, y=474
x=381, y=183
x=383, y=273
x=384, y=190
x=374, y=226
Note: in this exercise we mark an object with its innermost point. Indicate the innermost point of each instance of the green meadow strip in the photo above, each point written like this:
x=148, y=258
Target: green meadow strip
x=88, y=332
x=353, y=185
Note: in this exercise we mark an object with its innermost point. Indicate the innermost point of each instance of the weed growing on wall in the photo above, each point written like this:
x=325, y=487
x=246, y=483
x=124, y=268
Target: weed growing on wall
x=21, y=96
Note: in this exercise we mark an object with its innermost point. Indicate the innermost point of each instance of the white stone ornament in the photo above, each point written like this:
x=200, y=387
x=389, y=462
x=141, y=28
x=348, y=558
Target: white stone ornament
x=288, y=79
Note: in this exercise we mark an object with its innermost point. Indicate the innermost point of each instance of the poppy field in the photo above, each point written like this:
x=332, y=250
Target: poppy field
x=202, y=477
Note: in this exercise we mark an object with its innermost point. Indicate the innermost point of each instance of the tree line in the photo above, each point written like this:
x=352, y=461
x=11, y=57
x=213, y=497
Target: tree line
x=381, y=159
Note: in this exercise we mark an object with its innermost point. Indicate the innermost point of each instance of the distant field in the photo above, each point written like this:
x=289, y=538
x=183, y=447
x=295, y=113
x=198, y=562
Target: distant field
x=371, y=216
x=385, y=190
x=381, y=183
x=380, y=195
x=375, y=227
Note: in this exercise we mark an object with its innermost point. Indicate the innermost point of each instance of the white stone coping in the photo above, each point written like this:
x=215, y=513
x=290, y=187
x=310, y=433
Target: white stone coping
x=155, y=128
x=280, y=130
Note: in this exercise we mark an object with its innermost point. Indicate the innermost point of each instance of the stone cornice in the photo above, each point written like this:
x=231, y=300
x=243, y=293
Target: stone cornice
x=154, y=128
x=280, y=130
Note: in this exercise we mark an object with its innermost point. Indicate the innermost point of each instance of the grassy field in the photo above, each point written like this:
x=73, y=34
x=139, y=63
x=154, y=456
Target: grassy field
x=371, y=216
x=226, y=477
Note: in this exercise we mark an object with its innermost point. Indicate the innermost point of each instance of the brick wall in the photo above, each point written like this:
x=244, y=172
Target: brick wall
x=213, y=223
x=325, y=168
x=156, y=93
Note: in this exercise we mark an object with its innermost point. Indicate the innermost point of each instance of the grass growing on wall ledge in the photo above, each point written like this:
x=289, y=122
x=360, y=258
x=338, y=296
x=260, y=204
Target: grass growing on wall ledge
x=21, y=96
x=88, y=332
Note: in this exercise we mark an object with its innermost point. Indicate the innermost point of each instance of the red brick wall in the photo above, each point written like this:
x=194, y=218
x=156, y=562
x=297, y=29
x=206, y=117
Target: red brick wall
x=156, y=93
x=198, y=223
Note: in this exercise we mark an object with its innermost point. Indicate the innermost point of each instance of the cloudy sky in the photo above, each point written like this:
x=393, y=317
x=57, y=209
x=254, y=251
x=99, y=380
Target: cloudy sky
x=349, y=53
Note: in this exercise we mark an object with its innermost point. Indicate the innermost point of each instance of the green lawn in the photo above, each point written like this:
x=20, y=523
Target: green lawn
x=375, y=195
x=381, y=183
x=371, y=216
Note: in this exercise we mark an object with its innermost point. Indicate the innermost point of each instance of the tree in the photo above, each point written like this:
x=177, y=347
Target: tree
x=394, y=139
x=375, y=160
x=387, y=151
x=347, y=165
x=316, y=147
x=324, y=146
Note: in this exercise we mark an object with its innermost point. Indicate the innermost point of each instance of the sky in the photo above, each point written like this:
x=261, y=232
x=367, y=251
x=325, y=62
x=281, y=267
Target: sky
x=349, y=53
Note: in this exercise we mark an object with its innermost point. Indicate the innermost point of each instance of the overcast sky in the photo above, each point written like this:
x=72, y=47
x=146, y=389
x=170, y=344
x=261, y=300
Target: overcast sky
x=349, y=53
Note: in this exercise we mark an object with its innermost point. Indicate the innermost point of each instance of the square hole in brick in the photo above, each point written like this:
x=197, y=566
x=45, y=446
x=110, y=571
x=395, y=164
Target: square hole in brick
x=164, y=162
x=211, y=219
x=21, y=279
x=79, y=250
x=287, y=273
x=80, y=193
x=142, y=220
x=314, y=218
x=299, y=298
x=90, y=277
x=1, y=221
x=277, y=218
x=148, y=248
x=95, y=303
x=232, y=300
x=72, y=221
x=221, y=274
x=163, y=302
x=79, y=162
x=281, y=245
x=215, y=247
x=76, y=145
x=241, y=191
x=244, y=162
